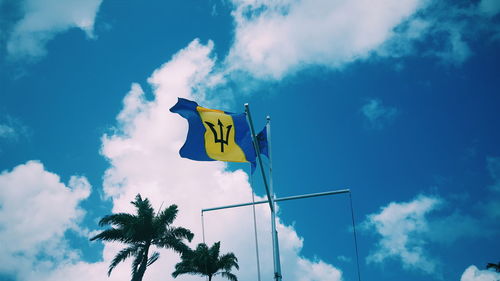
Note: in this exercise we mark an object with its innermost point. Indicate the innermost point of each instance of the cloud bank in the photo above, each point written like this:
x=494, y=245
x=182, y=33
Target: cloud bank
x=36, y=210
x=273, y=39
x=406, y=231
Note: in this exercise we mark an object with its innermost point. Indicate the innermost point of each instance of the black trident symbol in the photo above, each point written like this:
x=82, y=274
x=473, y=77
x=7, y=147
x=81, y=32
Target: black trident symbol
x=221, y=137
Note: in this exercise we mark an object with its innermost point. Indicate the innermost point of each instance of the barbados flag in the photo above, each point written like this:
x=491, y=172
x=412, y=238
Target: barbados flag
x=215, y=134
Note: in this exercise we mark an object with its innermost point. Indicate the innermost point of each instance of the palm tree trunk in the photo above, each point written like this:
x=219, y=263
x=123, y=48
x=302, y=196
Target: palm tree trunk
x=143, y=265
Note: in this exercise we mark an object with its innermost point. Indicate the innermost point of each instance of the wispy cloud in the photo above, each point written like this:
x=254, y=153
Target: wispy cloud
x=400, y=227
x=12, y=128
x=377, y=114
x=344, y=258
x=407, y=231
x=448, y=27
x=453, y=226
x=7, y=132
x=489, y=7
x=33, y=23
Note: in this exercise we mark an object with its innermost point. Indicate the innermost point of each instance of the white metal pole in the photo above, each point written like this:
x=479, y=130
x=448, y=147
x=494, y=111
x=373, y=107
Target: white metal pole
x=255, y=226
x=276, y=251
x=203, y=227
x=277, y=275
x=288, y=198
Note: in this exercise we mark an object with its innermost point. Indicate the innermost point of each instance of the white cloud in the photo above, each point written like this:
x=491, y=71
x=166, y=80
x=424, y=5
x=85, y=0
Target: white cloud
x=401, y=226
x=41, y=20
x=472, y=273
x=274, y=38
x=377, y=114
x=406, y=231
x=36, y=209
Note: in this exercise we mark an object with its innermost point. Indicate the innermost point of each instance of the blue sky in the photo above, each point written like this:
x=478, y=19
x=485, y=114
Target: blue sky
x=396, y=100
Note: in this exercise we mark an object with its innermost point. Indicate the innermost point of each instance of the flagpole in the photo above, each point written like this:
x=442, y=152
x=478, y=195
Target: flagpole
x=277, y=262
x=255, y=225
x=259, y=158
x=203, y=227
x=277, y=271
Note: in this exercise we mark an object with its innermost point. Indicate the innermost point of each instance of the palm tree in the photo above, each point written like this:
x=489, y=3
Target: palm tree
x=206, y=261
x=495, y=266
x=140, y=231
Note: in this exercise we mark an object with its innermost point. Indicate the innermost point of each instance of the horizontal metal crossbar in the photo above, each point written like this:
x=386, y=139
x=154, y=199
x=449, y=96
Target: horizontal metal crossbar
x=279, y=199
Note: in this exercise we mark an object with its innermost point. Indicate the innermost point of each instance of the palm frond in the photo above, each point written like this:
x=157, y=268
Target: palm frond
x=185, y=267
x=202, y=247
x=228, y=261
x=123, y=255
x=121, y=220
x=111, y=234
x=181, y=268
x=173, y=243
x=154, y=257
x=214, y=251
x=173, y=239
x=137, y=200
x=496, y=267
x=181, y=232
x=144, y=209
x=167, y=216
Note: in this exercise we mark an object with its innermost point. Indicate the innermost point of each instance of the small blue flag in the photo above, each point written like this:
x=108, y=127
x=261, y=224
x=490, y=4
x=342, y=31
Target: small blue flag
x=262, y=140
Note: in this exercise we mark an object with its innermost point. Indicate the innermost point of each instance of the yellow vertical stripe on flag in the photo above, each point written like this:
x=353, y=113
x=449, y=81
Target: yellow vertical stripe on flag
x=219, y=136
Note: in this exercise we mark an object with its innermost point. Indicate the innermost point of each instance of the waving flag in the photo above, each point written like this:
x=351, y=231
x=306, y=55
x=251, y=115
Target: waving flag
x=215, y=134
x=263, y=145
